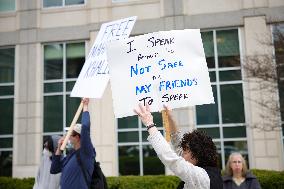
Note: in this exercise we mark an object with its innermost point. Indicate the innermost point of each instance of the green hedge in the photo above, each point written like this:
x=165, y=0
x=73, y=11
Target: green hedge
x=143, y=182
x=9, y=183
x=267, y=179
x=270, y=179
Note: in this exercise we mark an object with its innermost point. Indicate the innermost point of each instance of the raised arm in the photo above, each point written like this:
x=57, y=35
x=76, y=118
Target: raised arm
x=175, y=133
x=193, y=176
x=86, y=143
x=56, y=165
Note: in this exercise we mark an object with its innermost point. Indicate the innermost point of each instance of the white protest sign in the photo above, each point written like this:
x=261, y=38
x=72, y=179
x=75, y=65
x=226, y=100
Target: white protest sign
x=167, y=67
x=94, y=75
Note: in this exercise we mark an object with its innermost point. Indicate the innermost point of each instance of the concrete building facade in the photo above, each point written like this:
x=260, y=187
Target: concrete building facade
x=43, y=45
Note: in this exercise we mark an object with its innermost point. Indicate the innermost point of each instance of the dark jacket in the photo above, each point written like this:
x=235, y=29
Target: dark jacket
x=72, y=176
x=250, y=182
x=214, y=174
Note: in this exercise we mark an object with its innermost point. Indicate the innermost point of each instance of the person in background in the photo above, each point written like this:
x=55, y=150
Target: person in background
x=45, y=180
x=73, y=176
x=237, y=175
x=197, y=165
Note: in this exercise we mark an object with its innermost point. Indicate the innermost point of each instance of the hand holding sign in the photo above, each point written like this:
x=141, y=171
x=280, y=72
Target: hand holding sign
x=158, y=68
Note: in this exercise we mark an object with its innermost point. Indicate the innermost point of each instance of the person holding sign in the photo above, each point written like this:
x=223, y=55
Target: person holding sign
x=72, y=176
x=197, y=166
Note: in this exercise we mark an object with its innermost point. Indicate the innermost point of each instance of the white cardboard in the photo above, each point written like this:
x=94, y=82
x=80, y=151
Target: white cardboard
x=94, y=75
x=167, y=67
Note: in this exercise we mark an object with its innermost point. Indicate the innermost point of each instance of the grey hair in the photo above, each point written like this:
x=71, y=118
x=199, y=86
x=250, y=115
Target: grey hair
x=229, y=171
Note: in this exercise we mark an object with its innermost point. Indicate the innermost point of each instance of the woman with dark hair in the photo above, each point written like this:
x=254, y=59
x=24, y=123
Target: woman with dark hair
x=237, y=174
x=194, y=160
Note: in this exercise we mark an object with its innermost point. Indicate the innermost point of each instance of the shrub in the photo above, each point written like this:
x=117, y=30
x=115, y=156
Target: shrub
x=143, y=182
x=267, y=179
x=15, y=183
x=270, y=179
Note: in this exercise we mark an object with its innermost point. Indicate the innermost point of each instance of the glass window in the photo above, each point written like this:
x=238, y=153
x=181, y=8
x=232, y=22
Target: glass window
x=6, y=116
x=6, y=90
x=208, y=45
x=7, y=69
x=234, y=132
x=70, y=85
x=75, y=57
x=59, y=79
x=128, y=160
x=57, y=3
x=7, y=59
x=151, y=160
x=136, y=157
x=6, y=142
x=232, y=103
x=53, y=87
x=219, y=151
x=74, y=2
x=130, y=136
x=53, y=113
x=228, y=48
x=226, y=118
x=212, y=76
x=212, y=132
x=53, y=61
x=158, y=119
x=7, y=5
x=52, y=3
x=232, y=75
x=6, y=159
x=208, y=113
x=128, y=122
x=71, y=107
x=281, y=97
x=278, y=36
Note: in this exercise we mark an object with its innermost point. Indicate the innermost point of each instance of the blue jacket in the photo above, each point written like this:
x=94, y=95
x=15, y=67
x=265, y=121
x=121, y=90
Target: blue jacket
x=72, y=176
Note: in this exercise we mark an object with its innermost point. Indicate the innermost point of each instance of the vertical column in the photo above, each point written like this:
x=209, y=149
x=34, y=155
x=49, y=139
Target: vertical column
x=173, y=12
x=28, y=103
x=264, y=146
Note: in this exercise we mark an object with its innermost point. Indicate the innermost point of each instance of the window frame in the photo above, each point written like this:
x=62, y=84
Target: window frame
x=10, y=11
x=217, y=83
x=9, y=136
x=272, y=28
x=140, y=143
x=64, y=82
x=63, y=5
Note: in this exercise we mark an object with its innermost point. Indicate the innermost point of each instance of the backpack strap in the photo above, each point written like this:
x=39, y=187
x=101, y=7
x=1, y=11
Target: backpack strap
x=82, y=167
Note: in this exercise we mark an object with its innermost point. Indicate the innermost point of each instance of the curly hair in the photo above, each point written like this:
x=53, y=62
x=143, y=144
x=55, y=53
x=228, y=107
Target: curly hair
x=202, y=148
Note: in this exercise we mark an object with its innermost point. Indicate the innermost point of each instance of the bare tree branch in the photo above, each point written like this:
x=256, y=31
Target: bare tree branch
x=264, y=74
